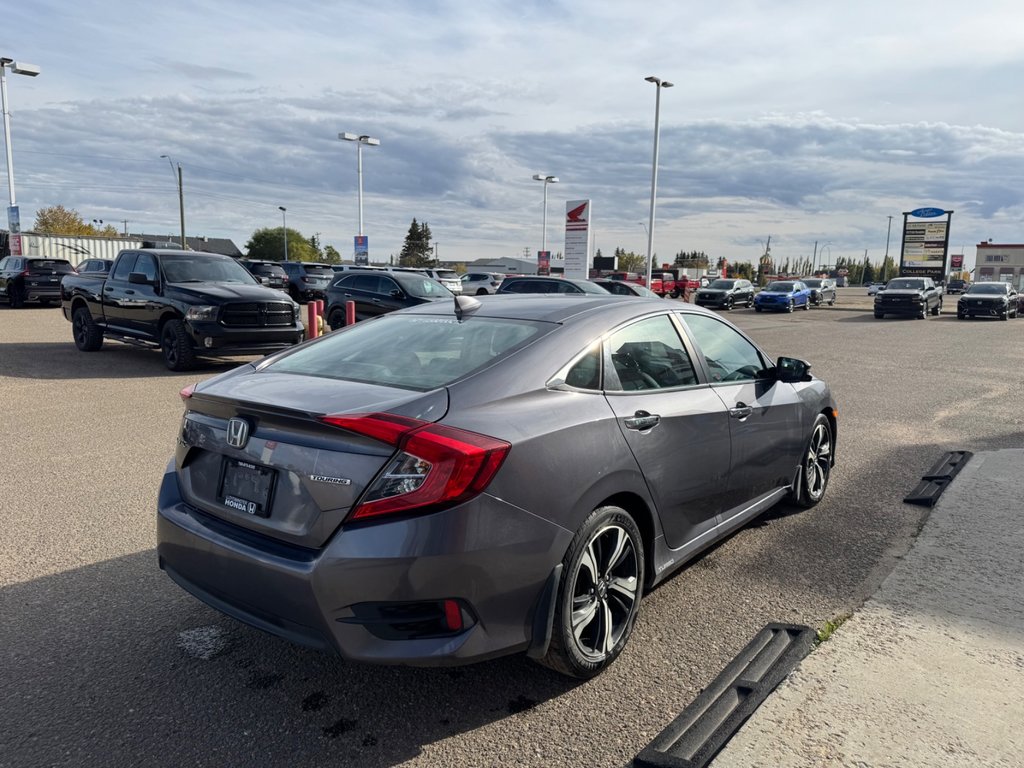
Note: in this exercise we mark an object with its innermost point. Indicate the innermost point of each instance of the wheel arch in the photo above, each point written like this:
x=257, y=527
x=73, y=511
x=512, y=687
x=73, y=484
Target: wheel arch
x=644, y=518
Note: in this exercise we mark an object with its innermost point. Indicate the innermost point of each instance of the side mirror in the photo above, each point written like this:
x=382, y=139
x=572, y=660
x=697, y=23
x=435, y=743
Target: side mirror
x=139, y=278
x=396, y=293
x=791, y=370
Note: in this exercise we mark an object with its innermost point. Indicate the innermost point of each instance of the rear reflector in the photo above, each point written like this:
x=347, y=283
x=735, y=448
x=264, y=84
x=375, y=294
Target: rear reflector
x=186, y=393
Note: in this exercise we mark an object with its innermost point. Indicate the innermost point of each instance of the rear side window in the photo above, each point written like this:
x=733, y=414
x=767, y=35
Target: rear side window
x=650, y=355
x=411, y=352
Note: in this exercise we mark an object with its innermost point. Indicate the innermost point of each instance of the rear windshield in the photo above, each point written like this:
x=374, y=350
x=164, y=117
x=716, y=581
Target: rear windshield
x=412, y=352
x=425, y=288
x=779, y=287
x=319, y=271
x=60, y=266
x=722, y=284
x=447, y=274
x=268, y=269
x=588, y=287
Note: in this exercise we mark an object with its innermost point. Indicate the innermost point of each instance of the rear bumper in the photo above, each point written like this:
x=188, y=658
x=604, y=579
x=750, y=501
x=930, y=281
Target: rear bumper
x=491, y=556
x=47, y=292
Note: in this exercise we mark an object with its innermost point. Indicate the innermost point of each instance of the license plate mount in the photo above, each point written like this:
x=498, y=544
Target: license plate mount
x=246, y=487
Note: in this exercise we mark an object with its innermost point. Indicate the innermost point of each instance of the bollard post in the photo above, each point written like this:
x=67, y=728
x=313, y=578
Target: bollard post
x=350, y=313
x=311, y=314
x=320, y=329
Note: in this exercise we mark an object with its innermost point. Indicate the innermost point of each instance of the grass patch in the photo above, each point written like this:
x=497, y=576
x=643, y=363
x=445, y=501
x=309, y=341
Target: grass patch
x=830, y=626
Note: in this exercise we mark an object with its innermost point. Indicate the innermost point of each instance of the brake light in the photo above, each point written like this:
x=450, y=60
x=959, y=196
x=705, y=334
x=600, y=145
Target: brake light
x=186, y=393
x=435, y=466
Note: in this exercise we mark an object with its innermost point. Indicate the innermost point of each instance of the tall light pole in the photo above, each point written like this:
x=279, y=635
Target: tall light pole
x=284, y=229
x=547, y=180
x=360, y=140
x=181, y=199
x=18, y=68
x=658, y=85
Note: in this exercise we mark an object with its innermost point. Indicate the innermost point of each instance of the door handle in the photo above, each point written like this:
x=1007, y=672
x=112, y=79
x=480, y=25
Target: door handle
x=108, y=289
x=642, y=420
x=741, y=411
x=130, y=291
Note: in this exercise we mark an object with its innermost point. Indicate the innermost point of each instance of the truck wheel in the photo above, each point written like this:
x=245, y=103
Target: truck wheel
x=88, y=335
x=177, y=346
x=599, y=596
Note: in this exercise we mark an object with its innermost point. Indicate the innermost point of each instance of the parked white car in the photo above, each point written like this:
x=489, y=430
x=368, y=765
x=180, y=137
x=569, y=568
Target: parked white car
x=480, y=283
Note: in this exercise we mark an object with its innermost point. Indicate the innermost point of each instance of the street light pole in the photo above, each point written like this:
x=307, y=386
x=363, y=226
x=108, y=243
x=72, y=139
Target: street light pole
x=284, y=229
x=181, y=199
x=547, y=180
x=658, y=85
x=360, y=140
x=19, y=68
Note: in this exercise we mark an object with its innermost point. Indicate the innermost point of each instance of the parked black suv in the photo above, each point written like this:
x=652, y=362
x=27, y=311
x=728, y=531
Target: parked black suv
x=990, y=299
x=29, y=279
x=377, y=293
x=270, y=273
x=823, y=290
x=957, y=286
x=913, y=296
x=306, y=280
x=726, y=293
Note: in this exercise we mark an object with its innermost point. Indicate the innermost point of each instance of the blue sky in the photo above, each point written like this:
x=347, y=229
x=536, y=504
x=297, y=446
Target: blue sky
x=804, y=121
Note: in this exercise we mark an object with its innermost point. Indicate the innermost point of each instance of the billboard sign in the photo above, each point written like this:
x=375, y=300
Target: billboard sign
x=16, y=245
x=13, y=219
x=577, y=238
x=362, y=250
x=956, y=261
x=543, y=262
x=925, y=244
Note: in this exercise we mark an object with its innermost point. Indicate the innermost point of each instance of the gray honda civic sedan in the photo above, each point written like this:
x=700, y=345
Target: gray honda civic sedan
x=474, y=478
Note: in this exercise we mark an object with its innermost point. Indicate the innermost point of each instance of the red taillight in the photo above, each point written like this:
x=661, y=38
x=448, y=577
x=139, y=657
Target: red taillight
x=186, y=393
x=434, y=466
x=452, y=615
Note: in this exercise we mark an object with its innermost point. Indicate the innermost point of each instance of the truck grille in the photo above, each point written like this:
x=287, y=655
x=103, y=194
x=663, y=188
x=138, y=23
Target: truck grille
x=257, y=314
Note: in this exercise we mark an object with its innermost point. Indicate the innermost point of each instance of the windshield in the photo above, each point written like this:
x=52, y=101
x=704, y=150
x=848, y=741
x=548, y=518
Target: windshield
x=425, y=288
x=413, y=351
x=905, y=284
x=779, y=287
x=723, y=284
x=991, y=288
x=204, y=268
x=643, y=291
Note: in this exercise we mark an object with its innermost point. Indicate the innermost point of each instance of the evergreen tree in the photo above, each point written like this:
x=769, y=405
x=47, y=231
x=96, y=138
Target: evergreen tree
x=416, y=248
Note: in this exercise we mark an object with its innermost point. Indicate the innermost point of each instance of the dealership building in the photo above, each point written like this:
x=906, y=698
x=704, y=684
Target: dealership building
x=1001, y=262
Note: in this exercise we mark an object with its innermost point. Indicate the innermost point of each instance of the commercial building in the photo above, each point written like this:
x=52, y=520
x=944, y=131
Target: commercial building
x=1001, y=262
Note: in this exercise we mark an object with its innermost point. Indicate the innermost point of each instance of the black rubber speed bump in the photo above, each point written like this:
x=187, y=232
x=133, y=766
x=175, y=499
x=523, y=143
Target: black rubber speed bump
x=694, y=738
x=938, y=477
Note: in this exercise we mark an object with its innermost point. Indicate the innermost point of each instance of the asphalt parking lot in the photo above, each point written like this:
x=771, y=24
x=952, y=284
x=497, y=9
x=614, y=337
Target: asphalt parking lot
x=104, y=661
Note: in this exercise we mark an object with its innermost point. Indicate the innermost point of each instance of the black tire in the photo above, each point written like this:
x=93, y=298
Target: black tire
x=961, y=316
x=832, y=301
x=816, y=466
x=728, y=304
x=1004, y=315
x=177, y=346
x=336, y=319
x=481, y=291
x=675, y=294
x=879, y=315
x=792, y=306
x=937, y=309
x=599, y=595
x=16, y=295
x=88, y=336
x=807, y=305
x=758, y=309
x=46, y=302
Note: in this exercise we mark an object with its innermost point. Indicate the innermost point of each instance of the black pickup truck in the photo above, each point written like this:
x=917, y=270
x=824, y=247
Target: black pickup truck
x=913, y=296
x=186, y=303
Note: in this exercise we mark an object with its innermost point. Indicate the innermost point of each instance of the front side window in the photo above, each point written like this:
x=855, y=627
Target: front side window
x=727, y=354
x=125, y=265
x=649, y=355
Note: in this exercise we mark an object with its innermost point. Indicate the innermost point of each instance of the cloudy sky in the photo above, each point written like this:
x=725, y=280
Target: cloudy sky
x=805, y=121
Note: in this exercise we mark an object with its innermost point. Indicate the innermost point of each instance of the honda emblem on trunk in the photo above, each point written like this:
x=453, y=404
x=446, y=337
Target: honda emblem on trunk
x=238, y=433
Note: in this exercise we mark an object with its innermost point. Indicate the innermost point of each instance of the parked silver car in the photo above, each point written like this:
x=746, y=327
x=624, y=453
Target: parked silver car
x=467, y=479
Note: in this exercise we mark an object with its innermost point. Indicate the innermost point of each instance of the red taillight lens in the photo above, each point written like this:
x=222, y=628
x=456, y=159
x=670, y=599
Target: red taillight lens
x=452, y=615
x=435, y=466
x=186, y=393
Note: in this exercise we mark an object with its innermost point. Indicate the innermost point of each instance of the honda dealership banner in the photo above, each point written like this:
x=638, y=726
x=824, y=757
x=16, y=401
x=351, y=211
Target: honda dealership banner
x=361, y=249
x=925, y=243
x=577, y=238
x=543, y=262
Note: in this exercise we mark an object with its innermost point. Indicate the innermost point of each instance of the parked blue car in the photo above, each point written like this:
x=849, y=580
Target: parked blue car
x=783, y=296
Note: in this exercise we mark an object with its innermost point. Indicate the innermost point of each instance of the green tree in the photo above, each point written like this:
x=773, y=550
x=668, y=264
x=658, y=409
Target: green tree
x=268, y=243
x=58, y=220
x=416, y=251
x=628, y=261
x=331, y=255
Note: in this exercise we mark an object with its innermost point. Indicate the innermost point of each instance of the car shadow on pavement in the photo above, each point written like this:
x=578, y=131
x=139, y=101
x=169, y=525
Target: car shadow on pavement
x=112, y=664
x=49, y=360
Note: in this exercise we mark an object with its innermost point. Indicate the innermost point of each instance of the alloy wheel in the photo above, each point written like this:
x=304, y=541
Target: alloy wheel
x=604, y=592
x=818, y=462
